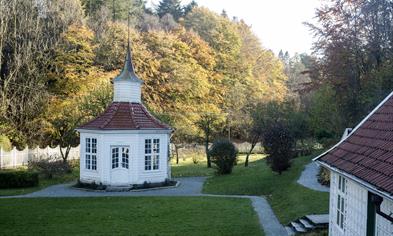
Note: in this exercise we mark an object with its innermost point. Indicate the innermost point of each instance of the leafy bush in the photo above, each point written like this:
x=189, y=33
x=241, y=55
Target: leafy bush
x=278, y=143
x=5, y=143
x=18, y=179
x=50, y=167
x=324, y=176
x=223, y=155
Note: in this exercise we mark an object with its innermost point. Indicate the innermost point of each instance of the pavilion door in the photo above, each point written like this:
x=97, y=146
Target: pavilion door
x=120, y=159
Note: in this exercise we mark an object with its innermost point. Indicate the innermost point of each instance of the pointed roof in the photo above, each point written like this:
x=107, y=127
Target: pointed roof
x=366, y=154
x=125, y=116
x=128, y=72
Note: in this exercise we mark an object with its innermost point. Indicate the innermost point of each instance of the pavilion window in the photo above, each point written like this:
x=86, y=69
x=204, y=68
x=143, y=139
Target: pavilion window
x=120, y=157
x=152, y=154
x=91, y=153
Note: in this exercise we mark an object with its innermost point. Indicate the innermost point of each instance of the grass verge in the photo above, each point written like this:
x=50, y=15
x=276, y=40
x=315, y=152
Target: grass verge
x=288, y=199
x=128, y=216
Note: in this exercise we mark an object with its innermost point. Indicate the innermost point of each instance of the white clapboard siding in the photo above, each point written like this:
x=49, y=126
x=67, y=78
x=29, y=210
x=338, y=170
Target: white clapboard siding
x=18, y=158
x=126, y=91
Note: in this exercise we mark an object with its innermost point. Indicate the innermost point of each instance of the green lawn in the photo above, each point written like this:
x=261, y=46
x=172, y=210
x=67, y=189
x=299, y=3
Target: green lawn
x=186, y=166
x=288, y=199
x=43, y=183
x=128, y=216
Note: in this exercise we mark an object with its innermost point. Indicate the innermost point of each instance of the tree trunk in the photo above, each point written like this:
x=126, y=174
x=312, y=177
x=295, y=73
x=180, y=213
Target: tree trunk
x=209, y=164
x=253, y=144
x=64, y=156
x=177, y=154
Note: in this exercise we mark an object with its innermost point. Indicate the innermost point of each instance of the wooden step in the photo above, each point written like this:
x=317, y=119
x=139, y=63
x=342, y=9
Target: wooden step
x=299, y=228
x=319, y=221
x=307, y=224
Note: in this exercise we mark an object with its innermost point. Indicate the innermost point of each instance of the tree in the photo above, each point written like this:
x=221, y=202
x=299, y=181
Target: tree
x=25, y=51
x=253, y=130
x=278, y=144
x=62, y=131
x=171, y=7
x=189, y=7
x=208, y=123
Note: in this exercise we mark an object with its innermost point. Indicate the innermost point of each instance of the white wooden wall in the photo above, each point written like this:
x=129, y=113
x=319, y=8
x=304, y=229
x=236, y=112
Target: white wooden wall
x=17, y=158
x=136, y=174
x=126, y=91
x=355, y=221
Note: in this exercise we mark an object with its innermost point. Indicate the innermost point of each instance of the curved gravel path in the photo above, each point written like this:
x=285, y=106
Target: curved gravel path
x=309, y=178
x=189, y=187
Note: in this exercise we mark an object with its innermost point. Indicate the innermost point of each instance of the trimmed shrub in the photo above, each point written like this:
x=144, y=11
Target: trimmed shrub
x=324, y=176
x=223, y=155
x=18, y=179
x=50, y=167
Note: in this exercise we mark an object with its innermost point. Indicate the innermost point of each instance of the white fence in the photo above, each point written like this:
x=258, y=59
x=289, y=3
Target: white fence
x=16, y=158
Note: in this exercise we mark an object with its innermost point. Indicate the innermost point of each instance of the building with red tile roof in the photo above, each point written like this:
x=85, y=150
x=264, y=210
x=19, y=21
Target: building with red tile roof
x=361, y=182
x=125, y=145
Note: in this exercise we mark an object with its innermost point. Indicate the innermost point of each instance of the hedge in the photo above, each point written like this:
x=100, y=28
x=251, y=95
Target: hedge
x=18, y=179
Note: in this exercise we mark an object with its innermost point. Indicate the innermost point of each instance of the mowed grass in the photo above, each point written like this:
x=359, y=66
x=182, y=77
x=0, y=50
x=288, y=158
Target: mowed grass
x=187, y=167
x=288, y=199
x=128, y=216
x=43, y=183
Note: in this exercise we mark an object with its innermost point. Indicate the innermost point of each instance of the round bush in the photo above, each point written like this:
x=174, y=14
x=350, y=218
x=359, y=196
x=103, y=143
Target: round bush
x=223, y=155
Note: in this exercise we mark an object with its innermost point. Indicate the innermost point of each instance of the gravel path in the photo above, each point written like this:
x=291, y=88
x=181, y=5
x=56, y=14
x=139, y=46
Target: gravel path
x=308, y=178
x=189, y=187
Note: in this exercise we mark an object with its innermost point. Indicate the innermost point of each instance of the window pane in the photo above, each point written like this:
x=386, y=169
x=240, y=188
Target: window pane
x=115, y=157
x=147, y=162
x=124, y=159
x=156, y=162
x=87, y=148
x=156, y=145
x=87, y=161
x=93, y=162
x=339, y=182
x=147, y=146
x=94, y=145
x=342, y=205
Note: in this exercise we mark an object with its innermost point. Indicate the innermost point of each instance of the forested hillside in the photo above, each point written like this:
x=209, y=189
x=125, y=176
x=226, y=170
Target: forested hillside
x=57, y=59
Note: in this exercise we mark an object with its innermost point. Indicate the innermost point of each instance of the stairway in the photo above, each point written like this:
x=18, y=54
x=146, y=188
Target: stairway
x=307, y=224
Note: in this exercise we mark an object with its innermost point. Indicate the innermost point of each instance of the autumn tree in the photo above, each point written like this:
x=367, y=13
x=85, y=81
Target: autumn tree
x=25, y=52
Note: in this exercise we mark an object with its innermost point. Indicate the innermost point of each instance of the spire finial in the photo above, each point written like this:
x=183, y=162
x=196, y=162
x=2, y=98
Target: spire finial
x=128, y=72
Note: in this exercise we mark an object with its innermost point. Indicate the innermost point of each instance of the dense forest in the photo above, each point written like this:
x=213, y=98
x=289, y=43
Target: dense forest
x=204, y=73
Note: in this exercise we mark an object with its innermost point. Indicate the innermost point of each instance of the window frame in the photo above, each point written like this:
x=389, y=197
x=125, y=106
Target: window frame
x=152, y=154
x=341, y=202
x=90, y=155
x=122, y=161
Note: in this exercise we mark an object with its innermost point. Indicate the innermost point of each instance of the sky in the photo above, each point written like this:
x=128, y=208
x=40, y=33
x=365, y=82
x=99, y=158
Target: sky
x=277, y=23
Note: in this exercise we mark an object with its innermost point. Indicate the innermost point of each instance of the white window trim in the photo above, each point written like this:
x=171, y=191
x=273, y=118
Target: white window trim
x=120, y=157
x=91, y=153
x=152, y=154
x=341, y=195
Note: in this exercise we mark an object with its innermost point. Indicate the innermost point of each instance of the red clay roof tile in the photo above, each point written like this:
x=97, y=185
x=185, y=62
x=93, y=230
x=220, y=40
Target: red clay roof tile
x=368, y=152
x=125, y=116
